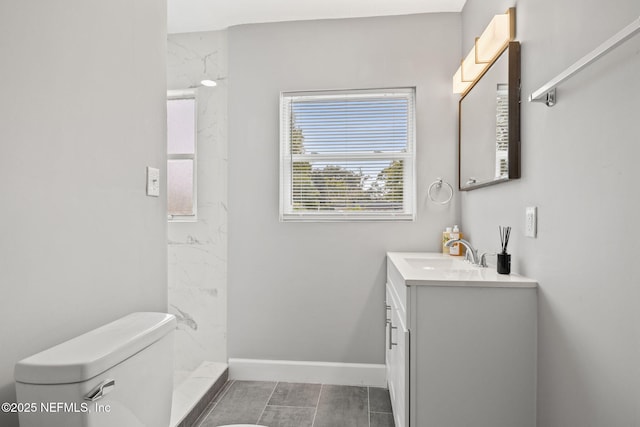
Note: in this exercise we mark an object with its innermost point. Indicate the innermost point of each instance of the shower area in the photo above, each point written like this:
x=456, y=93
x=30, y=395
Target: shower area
x=197, y=247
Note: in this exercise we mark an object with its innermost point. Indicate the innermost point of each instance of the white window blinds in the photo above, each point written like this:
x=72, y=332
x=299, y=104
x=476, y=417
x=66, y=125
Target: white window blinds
x=347, y=155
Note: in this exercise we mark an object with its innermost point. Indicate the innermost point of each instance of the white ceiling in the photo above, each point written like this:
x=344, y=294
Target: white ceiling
x=186, y=16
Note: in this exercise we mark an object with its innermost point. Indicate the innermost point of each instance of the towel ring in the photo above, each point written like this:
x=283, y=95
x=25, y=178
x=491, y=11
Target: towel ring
x=438, y=184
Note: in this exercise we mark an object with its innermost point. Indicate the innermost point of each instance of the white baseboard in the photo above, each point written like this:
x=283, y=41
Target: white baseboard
x=308, y=372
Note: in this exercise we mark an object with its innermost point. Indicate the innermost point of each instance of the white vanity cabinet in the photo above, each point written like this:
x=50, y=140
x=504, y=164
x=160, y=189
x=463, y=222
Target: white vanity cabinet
x=460, y=346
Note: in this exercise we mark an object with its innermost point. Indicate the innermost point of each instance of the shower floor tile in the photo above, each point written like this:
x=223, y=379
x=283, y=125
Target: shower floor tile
x=299, y=405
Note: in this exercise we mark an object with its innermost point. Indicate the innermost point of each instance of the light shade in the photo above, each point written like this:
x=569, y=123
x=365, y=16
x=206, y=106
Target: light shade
x=486, y=49
x=471, y=70
x=208, y=83
x=495, y=37
x=458, y=85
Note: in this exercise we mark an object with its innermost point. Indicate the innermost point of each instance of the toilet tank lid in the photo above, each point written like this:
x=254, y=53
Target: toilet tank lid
x=85, y=356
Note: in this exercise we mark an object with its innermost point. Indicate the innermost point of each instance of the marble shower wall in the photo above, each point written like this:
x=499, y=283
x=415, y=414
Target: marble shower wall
x=198, y=250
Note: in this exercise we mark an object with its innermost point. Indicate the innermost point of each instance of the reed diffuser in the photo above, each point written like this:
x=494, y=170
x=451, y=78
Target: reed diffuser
x=504, y=258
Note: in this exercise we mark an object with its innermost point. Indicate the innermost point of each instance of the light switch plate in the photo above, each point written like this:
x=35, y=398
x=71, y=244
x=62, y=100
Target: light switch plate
x=153, y=182
x=531, y=222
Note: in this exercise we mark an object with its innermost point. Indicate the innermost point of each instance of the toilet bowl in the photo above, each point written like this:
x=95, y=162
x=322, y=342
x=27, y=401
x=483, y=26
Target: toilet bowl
x=117, y=375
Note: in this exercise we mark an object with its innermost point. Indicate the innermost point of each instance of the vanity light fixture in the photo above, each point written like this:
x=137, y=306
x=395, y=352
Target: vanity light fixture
x=471, y=69
x=495, y=38
x=460, y=86
x=500, y=31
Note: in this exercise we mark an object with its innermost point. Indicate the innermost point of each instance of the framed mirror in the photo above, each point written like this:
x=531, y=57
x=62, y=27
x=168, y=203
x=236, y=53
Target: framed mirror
x=489, y=124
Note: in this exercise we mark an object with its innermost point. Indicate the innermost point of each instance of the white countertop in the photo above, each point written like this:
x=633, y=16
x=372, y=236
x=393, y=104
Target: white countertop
x=436, y=269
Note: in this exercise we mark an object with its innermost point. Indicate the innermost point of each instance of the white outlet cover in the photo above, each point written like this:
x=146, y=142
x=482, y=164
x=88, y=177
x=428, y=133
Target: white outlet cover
x=531, y=222
x=153, y=182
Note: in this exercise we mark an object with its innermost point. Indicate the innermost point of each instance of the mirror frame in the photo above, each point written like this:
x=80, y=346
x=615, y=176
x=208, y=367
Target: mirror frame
x=513, y=50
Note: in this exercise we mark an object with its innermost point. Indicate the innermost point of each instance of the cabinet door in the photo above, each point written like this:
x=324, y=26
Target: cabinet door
x=388, y=348
x=398, y=361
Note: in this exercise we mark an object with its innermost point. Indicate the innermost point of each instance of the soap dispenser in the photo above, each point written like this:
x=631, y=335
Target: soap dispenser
x=446, y=236
x=456, y=248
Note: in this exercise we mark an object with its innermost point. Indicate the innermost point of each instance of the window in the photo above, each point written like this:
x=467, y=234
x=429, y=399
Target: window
x=347, y=155
x=181, y=155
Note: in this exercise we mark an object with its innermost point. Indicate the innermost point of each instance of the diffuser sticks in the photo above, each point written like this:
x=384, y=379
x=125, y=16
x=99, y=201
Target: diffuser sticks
x=504, y=259
x=505, y=232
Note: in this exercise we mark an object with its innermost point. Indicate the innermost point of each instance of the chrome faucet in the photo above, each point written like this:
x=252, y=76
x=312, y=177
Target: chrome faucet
x=483, y=258
x=471, y=254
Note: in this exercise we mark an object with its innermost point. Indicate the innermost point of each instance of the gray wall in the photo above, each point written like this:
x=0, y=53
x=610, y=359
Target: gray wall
x=315, y=291
x=82, y=114
x=580, y=169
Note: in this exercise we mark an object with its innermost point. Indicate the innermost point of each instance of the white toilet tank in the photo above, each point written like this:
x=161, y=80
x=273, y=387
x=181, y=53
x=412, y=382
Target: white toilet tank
x=126, y=367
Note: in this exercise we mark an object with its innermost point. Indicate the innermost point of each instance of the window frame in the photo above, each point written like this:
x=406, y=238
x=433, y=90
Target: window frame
x=286, y=213
x=177, y=95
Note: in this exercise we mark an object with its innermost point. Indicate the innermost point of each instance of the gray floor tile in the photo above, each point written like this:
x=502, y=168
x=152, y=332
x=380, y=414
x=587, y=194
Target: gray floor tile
x=294, y=394
x=243, y=403
x=343, y=406
x=381, y=419
x=379, y=400
x=287, y=416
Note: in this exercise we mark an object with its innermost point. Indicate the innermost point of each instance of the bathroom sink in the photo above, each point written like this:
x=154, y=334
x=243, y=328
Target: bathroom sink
x=439, y=264
x=436, y=269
